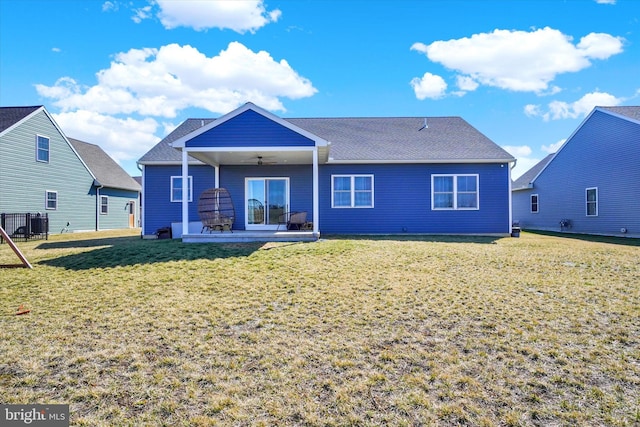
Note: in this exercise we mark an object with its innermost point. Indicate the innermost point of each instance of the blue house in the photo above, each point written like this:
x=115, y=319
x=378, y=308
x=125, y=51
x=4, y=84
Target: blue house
x=77, y=185
x=350, y=175
x=592, y=184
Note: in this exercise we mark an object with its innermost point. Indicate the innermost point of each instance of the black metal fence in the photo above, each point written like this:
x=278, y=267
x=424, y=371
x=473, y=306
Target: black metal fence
x=25, y=226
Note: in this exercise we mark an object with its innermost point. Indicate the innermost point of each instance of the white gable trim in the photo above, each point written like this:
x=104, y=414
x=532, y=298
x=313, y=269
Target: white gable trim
x=181, y=142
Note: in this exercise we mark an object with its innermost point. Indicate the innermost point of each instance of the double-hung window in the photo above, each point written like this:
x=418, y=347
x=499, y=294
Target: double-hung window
x=51, y=200
x=104, y=205
x=42, y=149
x=352, y=191
x=176, y=188
x=534, y=203
x=454, y=192
x=592, y=201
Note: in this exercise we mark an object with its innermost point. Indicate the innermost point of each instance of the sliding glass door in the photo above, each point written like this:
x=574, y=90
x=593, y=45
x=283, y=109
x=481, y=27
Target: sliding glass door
x=267, y=200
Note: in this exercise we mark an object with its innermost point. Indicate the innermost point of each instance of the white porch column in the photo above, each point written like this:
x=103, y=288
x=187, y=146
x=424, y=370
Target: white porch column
x=216, y=178
x=316, y=196
x=185, y=192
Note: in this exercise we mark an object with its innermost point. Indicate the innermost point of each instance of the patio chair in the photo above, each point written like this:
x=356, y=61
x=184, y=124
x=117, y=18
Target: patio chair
x=215, y=209
x=293, y=220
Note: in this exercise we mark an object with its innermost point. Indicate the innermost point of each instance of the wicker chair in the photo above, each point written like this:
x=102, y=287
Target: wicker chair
x=216, y=211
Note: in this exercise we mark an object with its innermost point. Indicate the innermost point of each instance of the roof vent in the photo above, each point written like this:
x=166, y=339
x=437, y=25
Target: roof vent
x=425, y=126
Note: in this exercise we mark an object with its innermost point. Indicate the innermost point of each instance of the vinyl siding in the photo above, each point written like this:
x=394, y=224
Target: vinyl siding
x=118, y=206
x=23, y=180
x=402, y=201
x=159, y=211
x=603, y=153
x=300, y=186
x=250, y=129
x=402, y=197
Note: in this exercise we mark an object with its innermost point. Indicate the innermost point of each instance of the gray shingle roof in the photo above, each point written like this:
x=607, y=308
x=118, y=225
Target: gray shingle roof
x=632, y=112
x=12, y=115
x=103, y=167
x=403, y=139
x=523, y=181
x=397, y=139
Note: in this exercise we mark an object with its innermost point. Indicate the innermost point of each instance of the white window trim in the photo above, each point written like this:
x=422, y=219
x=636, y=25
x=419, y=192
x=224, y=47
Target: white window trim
x=537, y=196
x=353, y=191
x=171, y=187
x=455, y=192
x=48, y=149
x=46, y=200
x=101, y=205
x=586, y=201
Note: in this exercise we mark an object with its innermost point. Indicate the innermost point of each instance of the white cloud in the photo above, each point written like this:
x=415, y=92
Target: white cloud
x=557, y=110
x=518, y=150
x=141, y=14
x=466, y=83
x=109, y=6
x=524, y=162
x=144, y=84
x=531, y=110
x=429, y=86
x=519, y=60
x=161, y=82
x=605, y=1
x=552, y=148
x=239, y=16
x=122, y=138
x=523, y=165
x=56, y=49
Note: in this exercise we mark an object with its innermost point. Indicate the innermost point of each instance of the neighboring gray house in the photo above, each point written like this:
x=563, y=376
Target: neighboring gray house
x=117, y=193
x=592, y=184
x=42, y=172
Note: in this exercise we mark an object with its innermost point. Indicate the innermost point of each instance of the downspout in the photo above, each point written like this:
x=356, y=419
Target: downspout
x=98, y=187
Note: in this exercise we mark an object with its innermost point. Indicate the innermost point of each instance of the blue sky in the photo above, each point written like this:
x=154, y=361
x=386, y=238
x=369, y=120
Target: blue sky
x=123, y=74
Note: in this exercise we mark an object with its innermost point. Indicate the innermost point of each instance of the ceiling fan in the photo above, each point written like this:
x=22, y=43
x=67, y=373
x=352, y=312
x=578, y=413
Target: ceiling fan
x=260, y=160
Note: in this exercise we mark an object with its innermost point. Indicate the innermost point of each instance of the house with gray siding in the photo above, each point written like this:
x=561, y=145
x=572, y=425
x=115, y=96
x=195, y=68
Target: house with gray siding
x=42, y=172
x=117, y=193
x=591, y=185
x=376, y=175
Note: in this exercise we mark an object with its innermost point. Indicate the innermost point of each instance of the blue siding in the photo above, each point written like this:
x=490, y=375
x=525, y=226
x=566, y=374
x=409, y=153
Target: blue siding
x=158, y=210
x=250, y=129
x=403, y=201
x=603, y=153
x=300, y=186
x=402, y=197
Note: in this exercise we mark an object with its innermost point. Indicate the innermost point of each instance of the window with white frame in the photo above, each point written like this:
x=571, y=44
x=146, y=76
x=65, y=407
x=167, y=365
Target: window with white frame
x=176, y=188
x=592, y=201
x=51, y=200
x=534, y=203
x=42, y=149
x=104, y=205
x=449, y=192
x=352, y=191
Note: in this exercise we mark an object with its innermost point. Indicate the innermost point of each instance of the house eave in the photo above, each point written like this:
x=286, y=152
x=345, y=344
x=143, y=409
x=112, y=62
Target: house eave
x=414, y=161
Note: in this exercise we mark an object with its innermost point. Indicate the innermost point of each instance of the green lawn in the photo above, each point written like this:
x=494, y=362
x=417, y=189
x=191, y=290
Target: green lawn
x=540, y=330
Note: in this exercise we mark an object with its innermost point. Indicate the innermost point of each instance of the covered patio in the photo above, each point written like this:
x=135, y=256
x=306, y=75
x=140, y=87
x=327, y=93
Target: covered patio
x=260, y=157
